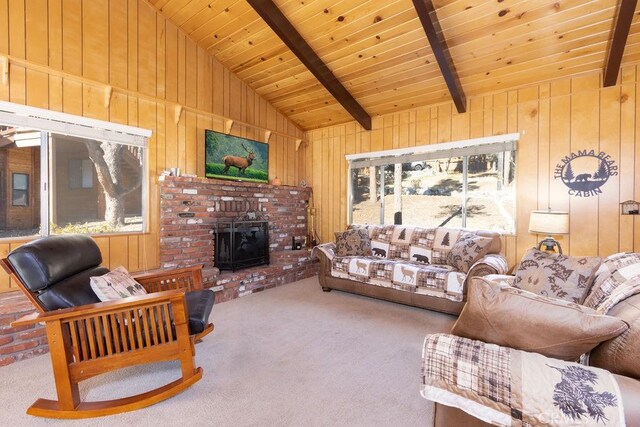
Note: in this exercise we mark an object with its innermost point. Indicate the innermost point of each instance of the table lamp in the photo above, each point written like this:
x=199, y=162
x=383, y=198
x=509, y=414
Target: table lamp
x=549, y=223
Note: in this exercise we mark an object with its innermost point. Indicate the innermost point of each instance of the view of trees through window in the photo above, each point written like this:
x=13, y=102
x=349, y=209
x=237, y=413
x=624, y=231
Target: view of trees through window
x=94, y=186
x=436, y=193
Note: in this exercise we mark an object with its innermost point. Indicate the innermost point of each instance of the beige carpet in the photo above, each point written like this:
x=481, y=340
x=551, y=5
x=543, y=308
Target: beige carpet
x=288, y=356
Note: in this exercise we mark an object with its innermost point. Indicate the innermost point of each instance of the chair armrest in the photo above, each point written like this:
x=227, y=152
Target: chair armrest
x=106, y=307
x=95, y=338
x=488, y=264
x=189, y=278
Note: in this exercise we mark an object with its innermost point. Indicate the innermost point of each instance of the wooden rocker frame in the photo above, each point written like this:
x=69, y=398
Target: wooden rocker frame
x=93, y=339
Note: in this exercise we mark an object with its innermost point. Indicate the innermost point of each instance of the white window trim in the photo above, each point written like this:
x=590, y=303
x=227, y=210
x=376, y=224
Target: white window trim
x=467, y=147
x=68, y=124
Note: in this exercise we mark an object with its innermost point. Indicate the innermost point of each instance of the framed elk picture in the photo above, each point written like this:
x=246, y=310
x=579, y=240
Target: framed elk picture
x=236, y=158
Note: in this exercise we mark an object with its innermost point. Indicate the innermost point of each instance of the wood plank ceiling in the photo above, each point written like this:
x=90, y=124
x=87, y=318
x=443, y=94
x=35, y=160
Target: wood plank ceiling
x=378, y=50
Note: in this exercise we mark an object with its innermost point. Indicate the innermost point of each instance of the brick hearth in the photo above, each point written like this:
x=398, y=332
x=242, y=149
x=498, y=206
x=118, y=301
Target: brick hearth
x=190, y=208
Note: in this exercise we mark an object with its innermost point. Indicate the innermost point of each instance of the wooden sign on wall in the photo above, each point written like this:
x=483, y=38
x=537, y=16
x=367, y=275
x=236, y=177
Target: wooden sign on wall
x=585, y=172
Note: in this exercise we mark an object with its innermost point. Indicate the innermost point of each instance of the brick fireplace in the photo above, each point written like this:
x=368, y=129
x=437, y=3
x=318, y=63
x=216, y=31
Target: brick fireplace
x=190, y=209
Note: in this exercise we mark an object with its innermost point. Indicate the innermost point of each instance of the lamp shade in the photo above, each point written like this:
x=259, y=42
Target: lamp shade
x=549, y=222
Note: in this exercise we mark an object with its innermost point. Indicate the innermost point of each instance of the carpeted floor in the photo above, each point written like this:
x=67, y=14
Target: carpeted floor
x=289, y=356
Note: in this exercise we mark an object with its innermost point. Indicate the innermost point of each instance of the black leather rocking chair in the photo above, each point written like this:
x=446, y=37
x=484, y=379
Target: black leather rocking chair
x=88, y=337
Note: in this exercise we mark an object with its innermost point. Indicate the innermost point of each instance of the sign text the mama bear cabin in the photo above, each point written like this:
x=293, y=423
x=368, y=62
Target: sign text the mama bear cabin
x=585, y=172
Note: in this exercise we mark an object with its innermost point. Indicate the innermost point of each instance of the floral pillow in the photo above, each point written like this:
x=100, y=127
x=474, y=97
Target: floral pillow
x=556, y=276
x=354, y=242
x=115, y=285
x=466, y=251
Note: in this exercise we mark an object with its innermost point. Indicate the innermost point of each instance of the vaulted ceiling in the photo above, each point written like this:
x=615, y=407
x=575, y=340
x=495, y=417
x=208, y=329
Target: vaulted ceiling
x=378, y=49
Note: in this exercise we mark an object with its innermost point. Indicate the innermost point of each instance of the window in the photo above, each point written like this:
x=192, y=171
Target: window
x=20, y=190
x=87, y=176
x=80, y=173
x=468, y=184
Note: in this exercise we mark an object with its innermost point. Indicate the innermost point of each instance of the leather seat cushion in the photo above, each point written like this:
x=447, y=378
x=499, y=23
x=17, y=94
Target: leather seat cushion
x=199, y=305
x=72, y=291
x=46, y=261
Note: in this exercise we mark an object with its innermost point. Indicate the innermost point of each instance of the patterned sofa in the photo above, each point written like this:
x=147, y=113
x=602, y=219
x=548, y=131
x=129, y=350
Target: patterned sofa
x=477, y=383
x=413, y=265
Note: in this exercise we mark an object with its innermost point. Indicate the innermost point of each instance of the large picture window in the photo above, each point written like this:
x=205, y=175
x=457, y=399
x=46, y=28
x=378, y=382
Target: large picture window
x=468, y=184
x=67, y=181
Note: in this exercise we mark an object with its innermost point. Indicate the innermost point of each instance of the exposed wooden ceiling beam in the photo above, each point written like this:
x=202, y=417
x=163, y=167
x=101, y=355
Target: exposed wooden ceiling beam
x=429, y=20
x=626, y=9
x=292, y=38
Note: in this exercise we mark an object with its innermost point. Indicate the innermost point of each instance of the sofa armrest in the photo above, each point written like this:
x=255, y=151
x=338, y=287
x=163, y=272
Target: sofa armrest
x=325, y=253
x=488, y=264
x=328, y=250
x=505, y=279
x=504, y=386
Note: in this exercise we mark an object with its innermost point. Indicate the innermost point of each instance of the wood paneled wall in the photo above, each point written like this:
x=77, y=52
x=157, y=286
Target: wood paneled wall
x=554, y=119
x=64, y=53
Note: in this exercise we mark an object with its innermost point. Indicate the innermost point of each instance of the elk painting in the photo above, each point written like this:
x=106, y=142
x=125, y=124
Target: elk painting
x=233, y=157
x=241, y=163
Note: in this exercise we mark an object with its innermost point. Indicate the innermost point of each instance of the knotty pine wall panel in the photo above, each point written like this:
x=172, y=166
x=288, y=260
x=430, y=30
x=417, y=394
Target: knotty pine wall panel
x=554, y=119
x=63, y=53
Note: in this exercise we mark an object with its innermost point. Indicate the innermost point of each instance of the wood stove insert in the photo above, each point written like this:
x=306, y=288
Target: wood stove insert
x=242, y=242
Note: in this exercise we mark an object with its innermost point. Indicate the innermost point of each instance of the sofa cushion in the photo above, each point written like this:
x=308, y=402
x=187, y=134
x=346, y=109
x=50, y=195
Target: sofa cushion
x=400, y=246
x=467, y=251
x=555, y=275
x=354, y=242
x=434, y=280
x=380, y=236
x=115, y=285
x=519, y=319
x=614, y=271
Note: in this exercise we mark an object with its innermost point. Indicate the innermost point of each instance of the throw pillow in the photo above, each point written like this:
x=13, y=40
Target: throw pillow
x=557, y=276
x=354, y=242
x=115, y=285
x=519, y=319
x=466, y=251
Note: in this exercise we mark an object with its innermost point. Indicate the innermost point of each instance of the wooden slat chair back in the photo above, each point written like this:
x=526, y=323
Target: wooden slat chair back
x=92, y=339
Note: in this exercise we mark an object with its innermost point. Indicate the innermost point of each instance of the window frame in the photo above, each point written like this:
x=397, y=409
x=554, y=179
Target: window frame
x=51, y=122
x=463, y=149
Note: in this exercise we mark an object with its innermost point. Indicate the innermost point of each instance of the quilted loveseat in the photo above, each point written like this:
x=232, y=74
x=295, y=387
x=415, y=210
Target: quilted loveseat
x=476, y=382
x=413, y=265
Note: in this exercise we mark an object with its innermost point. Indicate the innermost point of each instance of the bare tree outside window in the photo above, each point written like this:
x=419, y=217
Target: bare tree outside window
x=110, y=161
